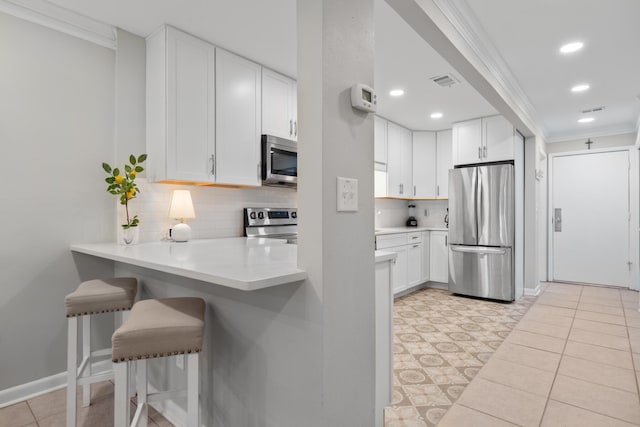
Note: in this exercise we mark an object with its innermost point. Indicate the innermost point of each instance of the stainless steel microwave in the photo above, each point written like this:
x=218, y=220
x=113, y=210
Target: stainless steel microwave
x=279, y=162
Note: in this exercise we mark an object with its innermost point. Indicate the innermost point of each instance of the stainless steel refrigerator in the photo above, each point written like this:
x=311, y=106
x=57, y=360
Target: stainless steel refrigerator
x=481, y=231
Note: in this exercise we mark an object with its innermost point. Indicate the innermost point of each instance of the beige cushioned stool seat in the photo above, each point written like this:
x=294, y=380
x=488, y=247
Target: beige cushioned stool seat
x=160, y=327
x=101, y=296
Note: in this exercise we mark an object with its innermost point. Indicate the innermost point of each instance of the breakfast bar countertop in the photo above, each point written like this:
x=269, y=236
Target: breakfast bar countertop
x=238, y=262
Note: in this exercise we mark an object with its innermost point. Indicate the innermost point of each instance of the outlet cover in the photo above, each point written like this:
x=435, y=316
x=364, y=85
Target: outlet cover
x=347, y=194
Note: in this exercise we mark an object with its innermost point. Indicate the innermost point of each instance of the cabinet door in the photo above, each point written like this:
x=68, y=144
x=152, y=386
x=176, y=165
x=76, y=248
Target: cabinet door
x=238, y=118
x=467, y=142
x=380, y=143
x=424, y=165
x=439, y=257
x=414, y=264
x=399, y=269
x=277, y=104
x=498, y=136
x=399, y=163
x=425, y=256
x=444, y=163
x=190, y=102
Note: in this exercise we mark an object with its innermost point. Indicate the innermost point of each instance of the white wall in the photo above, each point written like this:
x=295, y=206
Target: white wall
x=335, y=50
x=598, y=143
x=56, y=127
x=394, y=213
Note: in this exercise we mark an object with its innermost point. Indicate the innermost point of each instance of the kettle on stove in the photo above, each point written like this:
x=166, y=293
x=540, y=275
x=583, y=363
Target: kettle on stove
x=412, y=221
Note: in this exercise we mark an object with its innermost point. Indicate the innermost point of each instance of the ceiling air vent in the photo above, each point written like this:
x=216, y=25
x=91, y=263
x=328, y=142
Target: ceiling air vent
x=592, y=110
x=445, y=80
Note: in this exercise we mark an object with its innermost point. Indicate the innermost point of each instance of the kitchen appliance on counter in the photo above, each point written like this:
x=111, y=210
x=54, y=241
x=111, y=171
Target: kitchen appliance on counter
x=279, y=162
x=412, y=221
x=481, y=231
x=273, y=223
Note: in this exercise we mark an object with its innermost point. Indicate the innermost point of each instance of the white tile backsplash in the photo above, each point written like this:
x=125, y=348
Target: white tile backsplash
x=218, y=209
x=394, y=213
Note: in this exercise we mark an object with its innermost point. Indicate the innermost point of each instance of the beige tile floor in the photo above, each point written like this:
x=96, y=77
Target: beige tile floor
x=49, y=410
x=573, y=360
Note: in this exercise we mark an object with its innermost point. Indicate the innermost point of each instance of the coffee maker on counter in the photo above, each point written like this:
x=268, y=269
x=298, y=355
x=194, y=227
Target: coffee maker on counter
x=412, y=221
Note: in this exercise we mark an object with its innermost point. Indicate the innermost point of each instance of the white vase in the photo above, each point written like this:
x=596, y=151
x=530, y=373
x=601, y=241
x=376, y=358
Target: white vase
x=128, y=236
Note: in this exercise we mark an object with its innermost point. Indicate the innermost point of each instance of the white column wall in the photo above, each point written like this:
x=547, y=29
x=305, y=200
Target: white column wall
x=335, y=51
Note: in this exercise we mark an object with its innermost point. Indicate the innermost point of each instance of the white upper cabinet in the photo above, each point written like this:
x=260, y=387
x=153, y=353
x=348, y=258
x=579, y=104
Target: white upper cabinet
x=498, y=139
x=380, y=143
x=444, y=163
x=424, y=165
x=467, y=142
x=238, y=118
x=180, y=107
x=399, y=162
x=279, y=105
x=489, y=139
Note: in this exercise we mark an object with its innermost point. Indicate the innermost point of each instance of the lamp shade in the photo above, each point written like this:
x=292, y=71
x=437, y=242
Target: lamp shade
x=181, y=205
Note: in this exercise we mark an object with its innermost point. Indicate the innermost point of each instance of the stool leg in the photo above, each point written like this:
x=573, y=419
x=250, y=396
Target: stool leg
x=193, y=385
x=86, y=354
x=121, y=398
x=72, y=369
x=141, y=387
x=119, y=318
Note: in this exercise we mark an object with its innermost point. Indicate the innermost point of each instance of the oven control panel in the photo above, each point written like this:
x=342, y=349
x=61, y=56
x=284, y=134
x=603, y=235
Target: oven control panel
x=259, y=217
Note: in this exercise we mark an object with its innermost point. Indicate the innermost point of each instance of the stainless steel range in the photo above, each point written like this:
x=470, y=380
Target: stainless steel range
x=274, y=223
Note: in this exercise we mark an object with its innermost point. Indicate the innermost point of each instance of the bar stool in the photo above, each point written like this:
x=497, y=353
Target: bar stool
x=157, y=328
x=91, y=297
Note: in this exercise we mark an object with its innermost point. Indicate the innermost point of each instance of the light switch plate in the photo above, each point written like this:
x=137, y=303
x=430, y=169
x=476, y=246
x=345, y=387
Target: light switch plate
x=347, y=194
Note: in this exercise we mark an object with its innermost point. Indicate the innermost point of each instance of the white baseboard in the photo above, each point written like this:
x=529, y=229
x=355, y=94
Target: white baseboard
x=22, y=392
x=533, y=292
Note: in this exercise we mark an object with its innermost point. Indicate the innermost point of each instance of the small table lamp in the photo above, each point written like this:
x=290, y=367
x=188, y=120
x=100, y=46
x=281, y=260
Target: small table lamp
x=181, y=208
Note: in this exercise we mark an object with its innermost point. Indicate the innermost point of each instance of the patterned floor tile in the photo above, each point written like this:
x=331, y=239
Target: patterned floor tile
x=440, y=343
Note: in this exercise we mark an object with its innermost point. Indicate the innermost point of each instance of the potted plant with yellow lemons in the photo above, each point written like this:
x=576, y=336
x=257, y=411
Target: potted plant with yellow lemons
x=124, y=186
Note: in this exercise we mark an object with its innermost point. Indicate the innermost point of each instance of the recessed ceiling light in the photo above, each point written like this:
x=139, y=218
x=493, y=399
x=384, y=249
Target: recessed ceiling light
x=579, y=88
x=571, y=47
x=396, y=92
x=586, y=120
x=436, y=115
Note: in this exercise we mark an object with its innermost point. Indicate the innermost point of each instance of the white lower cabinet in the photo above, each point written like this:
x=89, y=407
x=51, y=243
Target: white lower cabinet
x=426, y=238
x=399, y=269
x=439, y=256
x=421, y=257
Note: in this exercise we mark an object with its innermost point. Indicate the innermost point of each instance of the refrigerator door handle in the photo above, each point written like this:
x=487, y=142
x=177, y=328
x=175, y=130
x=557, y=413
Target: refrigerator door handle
x=478, y=250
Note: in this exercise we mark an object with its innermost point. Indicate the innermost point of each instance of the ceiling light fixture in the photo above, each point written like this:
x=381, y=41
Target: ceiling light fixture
x=571, y=47
x=436, y=115
x=580, y=88
x=586, y=120
x=396, y=92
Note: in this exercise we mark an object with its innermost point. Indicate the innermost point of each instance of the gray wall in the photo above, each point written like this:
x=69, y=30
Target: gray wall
x=130, y=119
x=56, y=127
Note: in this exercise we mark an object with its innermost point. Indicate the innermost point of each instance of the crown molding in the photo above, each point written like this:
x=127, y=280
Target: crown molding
x=595, y=133
x=60, y=19
x=465, y=22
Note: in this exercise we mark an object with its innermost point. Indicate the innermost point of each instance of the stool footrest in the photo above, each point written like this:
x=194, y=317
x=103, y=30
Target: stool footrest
x=101, y=353
x=95, y=378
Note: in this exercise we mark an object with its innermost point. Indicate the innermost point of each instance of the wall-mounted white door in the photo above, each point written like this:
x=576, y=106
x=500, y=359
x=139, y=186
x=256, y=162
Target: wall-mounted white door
x=590, y=218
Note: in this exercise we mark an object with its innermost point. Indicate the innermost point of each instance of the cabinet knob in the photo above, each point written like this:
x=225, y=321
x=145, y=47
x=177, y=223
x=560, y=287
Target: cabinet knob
x=213, y=164
x=290, y=127
x=484, y=151
x=295, y=128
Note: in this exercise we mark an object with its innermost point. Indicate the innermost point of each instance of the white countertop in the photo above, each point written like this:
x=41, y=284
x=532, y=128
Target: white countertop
x=394, y=230
x=239, y=263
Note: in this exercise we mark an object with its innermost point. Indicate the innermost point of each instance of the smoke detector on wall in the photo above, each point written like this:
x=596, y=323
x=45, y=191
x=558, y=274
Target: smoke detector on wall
x=445, y=80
